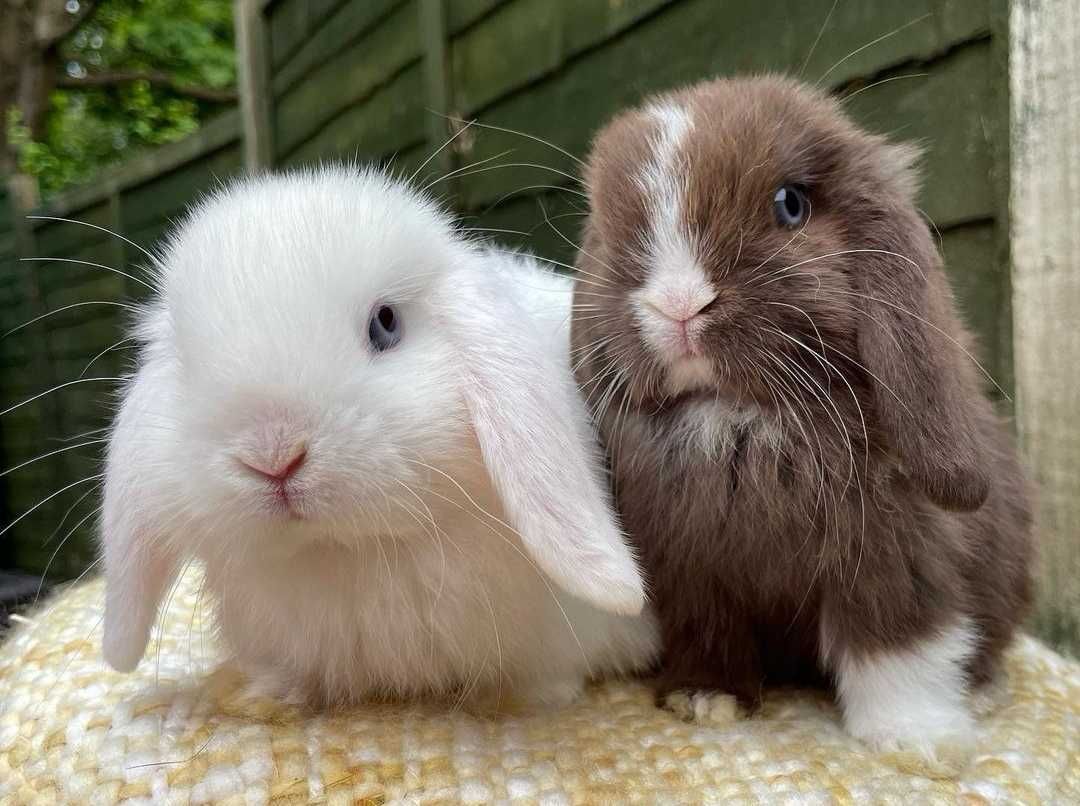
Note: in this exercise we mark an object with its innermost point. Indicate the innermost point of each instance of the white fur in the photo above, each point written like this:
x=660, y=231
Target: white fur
x=662, y=185
x=912, y=699
x=676, y=288
x=448, y=532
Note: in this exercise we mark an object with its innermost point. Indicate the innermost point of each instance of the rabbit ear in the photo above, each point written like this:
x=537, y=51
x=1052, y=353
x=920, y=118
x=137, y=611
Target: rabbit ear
x=927, y=396
x=137, y=573
x=139, y=566
x=536, y=441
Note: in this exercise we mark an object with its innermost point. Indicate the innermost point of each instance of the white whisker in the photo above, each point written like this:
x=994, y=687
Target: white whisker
x=131, y=277
x=17, y=328
x=56, y=388
x=94, y=226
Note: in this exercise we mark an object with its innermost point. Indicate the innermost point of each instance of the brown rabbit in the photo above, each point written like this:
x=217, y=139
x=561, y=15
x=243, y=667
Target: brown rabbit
x=800, y=448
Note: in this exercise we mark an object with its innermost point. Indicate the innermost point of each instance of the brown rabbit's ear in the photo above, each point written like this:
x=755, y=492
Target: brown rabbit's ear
x=927, y=395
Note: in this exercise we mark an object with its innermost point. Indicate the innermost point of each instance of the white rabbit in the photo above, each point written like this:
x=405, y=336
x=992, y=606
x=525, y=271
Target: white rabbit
x=367, y=429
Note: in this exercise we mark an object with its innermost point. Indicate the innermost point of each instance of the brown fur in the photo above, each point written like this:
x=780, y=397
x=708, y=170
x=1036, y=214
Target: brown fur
x=859, y=491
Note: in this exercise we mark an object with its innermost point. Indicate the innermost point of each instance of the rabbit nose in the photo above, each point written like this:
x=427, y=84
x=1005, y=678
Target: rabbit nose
x=681, y=309
x=278, y=469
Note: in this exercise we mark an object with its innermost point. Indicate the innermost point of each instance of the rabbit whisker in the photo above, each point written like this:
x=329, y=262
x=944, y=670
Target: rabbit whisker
x=861, y=90
x=518, y=191
x=67, y=514
x=462, y=170
x=526, y=135
x=80, y=435
x=817, y=39
x=577, y=247
x=87, y=263
x=99, y=229
x=113, y=303
x=49, y=498
x=938, y=330
x=494, y=229
x=39, y=457
x=56, y=551
x=438, y=151
x=108, y=349
x=56, y=388
x=866, y=443
x=859, y=50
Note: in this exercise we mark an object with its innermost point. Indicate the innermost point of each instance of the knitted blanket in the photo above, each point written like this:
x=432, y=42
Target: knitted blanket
x=184, y=729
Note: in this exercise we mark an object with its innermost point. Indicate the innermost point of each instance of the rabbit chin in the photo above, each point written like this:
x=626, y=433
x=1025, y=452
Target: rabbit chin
x=690, y=374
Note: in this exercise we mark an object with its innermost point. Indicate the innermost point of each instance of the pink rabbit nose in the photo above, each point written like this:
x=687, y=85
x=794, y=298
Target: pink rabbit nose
x=681, y=309
x=278, y=470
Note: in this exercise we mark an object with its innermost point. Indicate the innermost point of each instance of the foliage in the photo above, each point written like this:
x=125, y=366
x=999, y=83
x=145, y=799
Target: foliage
x=188, y=41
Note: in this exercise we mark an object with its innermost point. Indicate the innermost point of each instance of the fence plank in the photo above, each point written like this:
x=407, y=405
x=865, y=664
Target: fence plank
x=437, y=84
x=334, y=34
x=1045, y=157
x=389, y=121
x=253, y=58
x=348, y=79
x=288, y=26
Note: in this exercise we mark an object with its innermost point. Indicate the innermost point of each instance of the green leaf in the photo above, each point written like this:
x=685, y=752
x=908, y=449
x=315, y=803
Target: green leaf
x=87, y=129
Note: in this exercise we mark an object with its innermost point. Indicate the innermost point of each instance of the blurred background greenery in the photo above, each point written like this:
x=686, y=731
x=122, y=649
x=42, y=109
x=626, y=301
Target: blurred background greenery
x=114, y=77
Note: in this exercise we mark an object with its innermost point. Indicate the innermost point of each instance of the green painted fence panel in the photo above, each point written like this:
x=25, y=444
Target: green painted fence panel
x=60, y=492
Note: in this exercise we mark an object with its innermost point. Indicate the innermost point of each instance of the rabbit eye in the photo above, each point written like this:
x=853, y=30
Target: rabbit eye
x=384, y=328
x=790, y=206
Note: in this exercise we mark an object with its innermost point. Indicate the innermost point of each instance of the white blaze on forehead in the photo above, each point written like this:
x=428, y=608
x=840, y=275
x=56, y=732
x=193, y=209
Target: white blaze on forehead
x=675, y=286
x=660, y=180
x=675, y=282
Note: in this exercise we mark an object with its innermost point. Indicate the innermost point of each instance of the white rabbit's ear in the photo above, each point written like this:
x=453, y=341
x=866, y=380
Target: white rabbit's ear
x=536, y=442
x=139, y=565
x=137, y=573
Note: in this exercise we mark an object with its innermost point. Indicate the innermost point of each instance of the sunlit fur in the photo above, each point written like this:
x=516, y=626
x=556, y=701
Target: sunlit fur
x=404, y=557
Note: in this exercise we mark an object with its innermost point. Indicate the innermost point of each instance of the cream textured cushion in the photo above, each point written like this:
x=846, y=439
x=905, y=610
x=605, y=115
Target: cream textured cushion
x=180, y=731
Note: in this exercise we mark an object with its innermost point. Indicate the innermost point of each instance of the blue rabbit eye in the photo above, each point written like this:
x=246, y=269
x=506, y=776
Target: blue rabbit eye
x=384, y=328
x=790, y=206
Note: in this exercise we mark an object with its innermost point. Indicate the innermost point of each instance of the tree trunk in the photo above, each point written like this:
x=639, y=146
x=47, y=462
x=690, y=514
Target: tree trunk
x=16, y=42
x=36, y=79
x=30, y=35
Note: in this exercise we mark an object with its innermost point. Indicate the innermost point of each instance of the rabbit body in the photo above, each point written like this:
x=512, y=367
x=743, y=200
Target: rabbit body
x=801, y=450
x=348, y=414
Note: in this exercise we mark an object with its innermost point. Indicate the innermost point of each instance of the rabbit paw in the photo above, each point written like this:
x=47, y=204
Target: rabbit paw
x=936, y=748
x=703, y=707
x=912, y=702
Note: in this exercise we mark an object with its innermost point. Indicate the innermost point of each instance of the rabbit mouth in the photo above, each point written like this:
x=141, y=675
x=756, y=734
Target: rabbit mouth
x=284, y=501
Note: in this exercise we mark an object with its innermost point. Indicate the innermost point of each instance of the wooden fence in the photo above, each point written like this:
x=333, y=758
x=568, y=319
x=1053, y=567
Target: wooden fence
x=139, y=200
x=385, y=81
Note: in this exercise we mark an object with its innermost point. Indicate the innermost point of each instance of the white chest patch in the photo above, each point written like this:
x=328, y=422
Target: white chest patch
x=708, y=426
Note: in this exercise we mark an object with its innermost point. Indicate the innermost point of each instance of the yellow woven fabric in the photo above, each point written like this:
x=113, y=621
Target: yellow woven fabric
x=179, y=731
